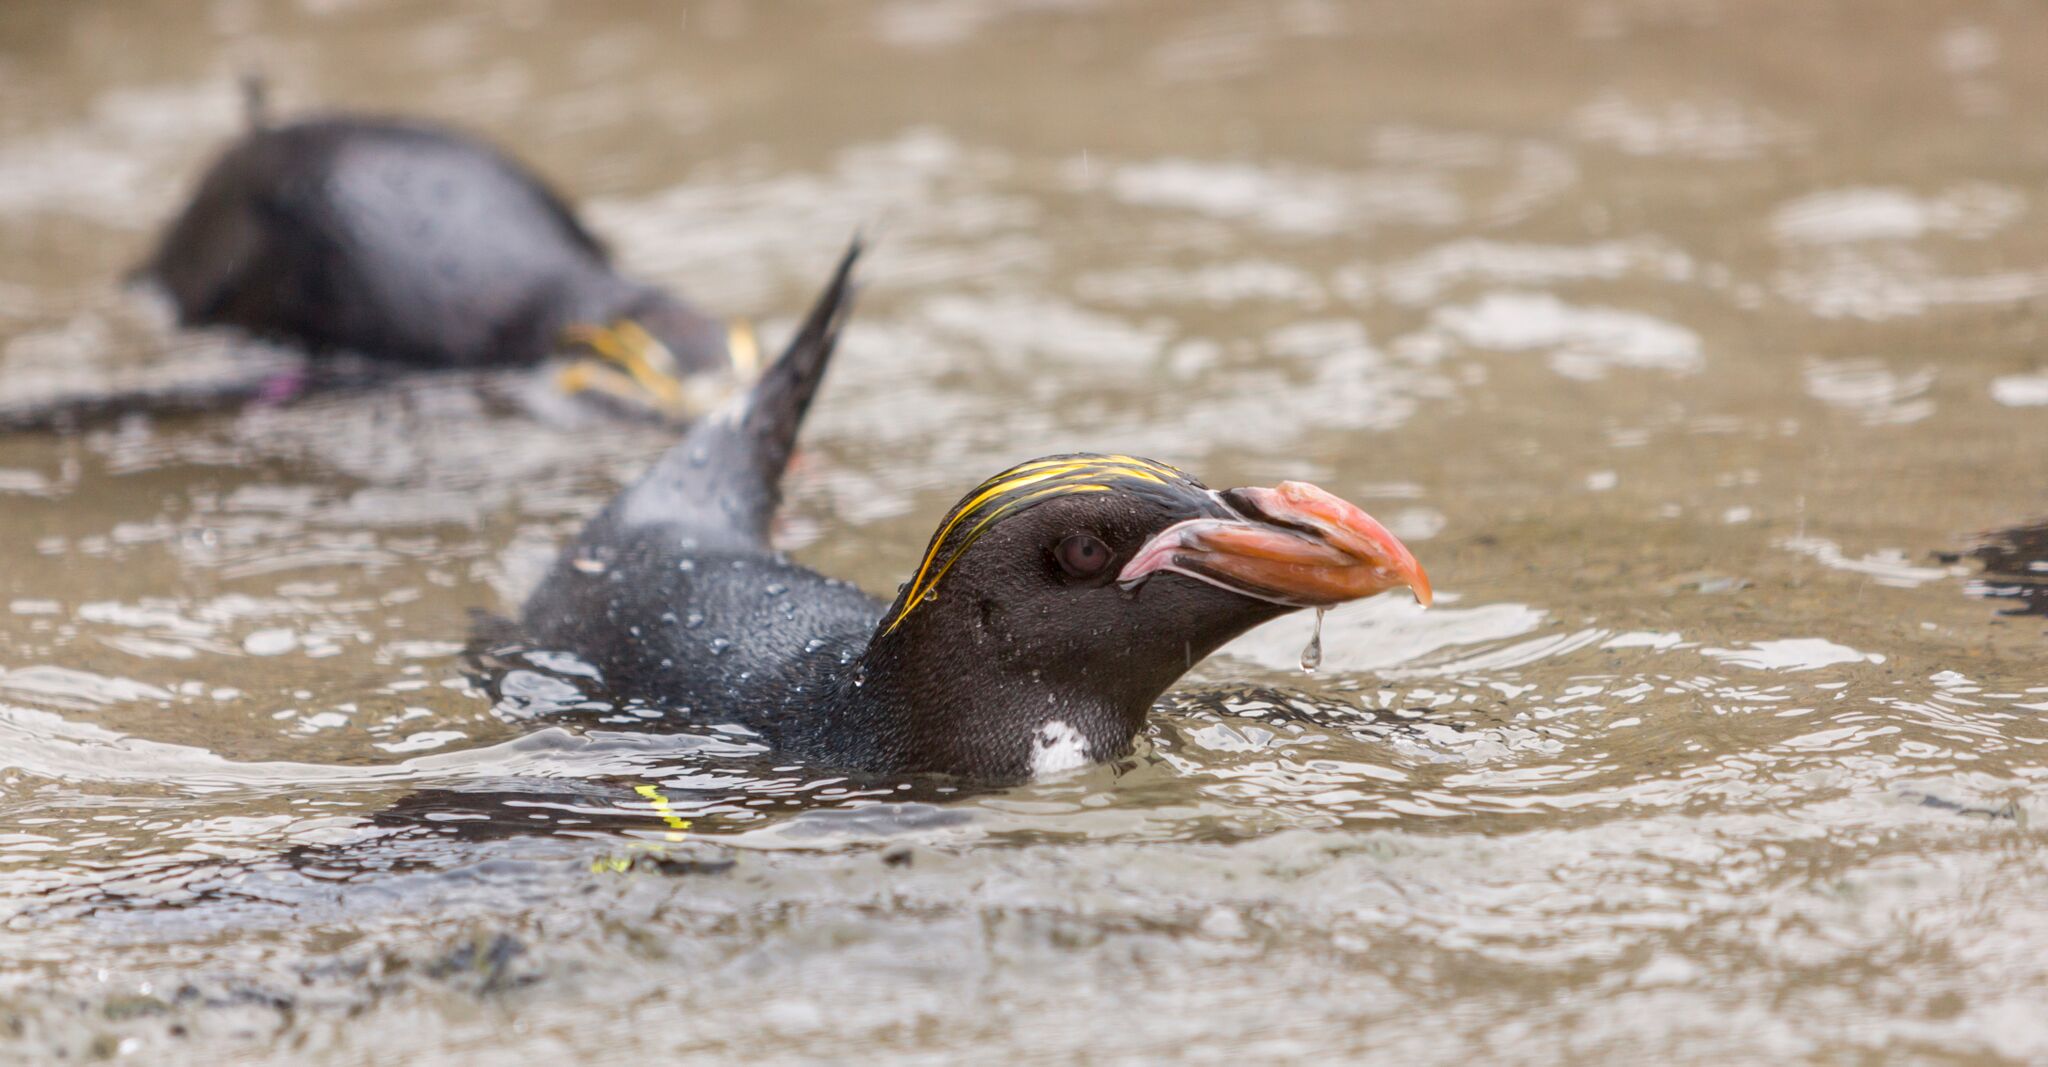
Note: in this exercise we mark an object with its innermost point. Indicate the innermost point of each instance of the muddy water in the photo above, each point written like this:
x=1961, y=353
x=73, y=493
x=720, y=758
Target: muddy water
x=1691, y=345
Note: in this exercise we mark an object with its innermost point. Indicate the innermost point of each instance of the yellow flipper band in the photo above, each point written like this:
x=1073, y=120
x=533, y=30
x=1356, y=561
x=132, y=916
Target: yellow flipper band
x=621, y=862
x=677, y=825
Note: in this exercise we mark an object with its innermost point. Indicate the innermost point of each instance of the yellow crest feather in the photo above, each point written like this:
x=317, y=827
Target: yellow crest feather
x=1014, y=490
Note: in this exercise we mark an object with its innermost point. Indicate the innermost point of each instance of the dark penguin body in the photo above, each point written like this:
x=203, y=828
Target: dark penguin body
x=406, y=243
x=673, y=591
x=1054, y=605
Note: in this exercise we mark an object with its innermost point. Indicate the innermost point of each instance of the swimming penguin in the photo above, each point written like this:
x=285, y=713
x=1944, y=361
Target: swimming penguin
x=415, y=245
x=1054, y=604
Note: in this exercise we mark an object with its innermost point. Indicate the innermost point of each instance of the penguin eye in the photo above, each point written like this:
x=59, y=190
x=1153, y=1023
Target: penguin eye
x=1082, y=555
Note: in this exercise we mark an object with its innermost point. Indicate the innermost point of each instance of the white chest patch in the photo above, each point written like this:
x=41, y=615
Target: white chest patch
x=1058, y=748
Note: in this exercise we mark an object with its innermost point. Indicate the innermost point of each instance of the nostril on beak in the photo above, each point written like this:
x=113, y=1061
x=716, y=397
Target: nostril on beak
x=1245, y=502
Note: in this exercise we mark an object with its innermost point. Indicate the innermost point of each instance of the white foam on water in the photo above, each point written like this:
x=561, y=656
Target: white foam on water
x=2021, y=390
x=1883, y=213
x=1583, y=342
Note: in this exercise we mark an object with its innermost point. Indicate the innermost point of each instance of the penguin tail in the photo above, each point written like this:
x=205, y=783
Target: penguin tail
x=255, y=100
x=774, y=408
x=724, y=477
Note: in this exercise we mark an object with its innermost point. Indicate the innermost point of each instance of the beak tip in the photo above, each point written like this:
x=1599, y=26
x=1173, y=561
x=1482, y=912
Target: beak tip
x=1418, y=584
x=1296, y=544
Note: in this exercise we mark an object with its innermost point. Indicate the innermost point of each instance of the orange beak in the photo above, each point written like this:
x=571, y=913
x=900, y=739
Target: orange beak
x=1296, y=545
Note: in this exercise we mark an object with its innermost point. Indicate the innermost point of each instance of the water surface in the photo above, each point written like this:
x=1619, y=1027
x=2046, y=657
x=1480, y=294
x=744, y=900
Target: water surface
x=1696, y=349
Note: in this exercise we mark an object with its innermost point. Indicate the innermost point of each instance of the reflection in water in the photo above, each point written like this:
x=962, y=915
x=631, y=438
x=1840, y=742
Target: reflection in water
x=1582, y=342
x=1697, y=128
x=2021, y=390
x=1875, y=392
x=1885, y=566
x=1974, y=210
x=2015, y=568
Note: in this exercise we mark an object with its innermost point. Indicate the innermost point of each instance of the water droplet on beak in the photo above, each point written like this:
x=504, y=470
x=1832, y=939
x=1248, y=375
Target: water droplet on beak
x=1312, y=656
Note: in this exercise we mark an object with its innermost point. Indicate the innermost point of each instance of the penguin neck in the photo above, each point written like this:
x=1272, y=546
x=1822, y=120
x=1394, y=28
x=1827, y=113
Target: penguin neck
x=908, y=705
